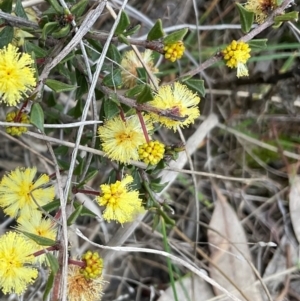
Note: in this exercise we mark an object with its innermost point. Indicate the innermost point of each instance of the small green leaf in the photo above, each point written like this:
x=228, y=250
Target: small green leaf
x=49, y=285
x=73, y=217
x=175, y=36
x=82, y=84
x=42, y=241
x=6, y=6
x=131, y=31
x=123, y=39
x=37, y=116
x=114, y=54
x=61, y=150
x=53, y=262
x=84, y=211
x=157, y=187
x=38, y=51
x=78, y=9
x=156, y=32
x=113, y=79
x=145, y=95
x=196, y=85
x=19, y=10
x=258, y=44
x=133, y=92
x=49, y=28
x=58, y=86
x=91, y=174
x=6, y=36
x=290, y=16
x=57, y=7
x=123, y=23
x=246, y=17
x=79, y=168
x=111, y=109
x=52, y=206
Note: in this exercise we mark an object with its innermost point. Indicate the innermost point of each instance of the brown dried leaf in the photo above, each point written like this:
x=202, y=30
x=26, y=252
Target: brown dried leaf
x=294, y=205
x=229, y=251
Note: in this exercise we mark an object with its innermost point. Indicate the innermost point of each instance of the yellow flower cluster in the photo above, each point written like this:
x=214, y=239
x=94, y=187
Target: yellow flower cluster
x=261, y=8
x=236, y=55
x=130, y=62
x=20, y=195
x=82, y=289
x=15, y=263
x=174, y=51
x=121, y=139
x=14, y=130
x=94, y=265
x=180, y=102
x=121, y=204
x=152, y=152
x=16, y=75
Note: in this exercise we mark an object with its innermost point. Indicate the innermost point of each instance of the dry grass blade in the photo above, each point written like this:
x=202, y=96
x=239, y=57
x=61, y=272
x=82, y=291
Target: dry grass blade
x=227, y=257
x=294, y=205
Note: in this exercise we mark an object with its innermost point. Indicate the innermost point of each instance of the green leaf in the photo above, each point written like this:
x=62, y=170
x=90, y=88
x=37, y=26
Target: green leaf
x=123, y=23
x=258, y=44
x=82, y=84
x=79, y=8
x=38, y=51
x=73, y=217
x=156, y=32
x=49, y=285
x=246, y=17
x=130, y=32
x=19, y=10
x=61, y=150
x=6, y=6
x=37, y=116
x=42, y=241
x=142, y=74
x=123, y=39
x=77, y=110
x=196, y=85
x=91, y=174
x=114, y=54
x=133, y=92
x=79, y=168
x=113, y=79
x=290, y=16
x=57, y=7
x=52, y=206
x=6, y=36
x=145, y=95
x=53, y=262
x=58, y=86
x=49, y=28
x=157, y=187
x=84, y=211
x=111, y=109
x=175, y=36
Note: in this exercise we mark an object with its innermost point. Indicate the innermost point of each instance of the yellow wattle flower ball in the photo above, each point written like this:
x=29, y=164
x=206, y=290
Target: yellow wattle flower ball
x=94, y=265
x=17, y=130
x=152, y=152
x=16, y=75
x=236, y=55
x=174, y=51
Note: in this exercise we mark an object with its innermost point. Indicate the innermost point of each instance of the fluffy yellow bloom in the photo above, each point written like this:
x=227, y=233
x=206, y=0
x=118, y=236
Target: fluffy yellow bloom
x=174, y=51
x=152, y=152
x=15, y=260
x=121, y=204
x=82, y=289
x=180, y=101
x=12, y=117
x=38, y=226
x=236, y=55
x=121, y=139
x=261, y=8
x=130, y=63
x=16, y=75
x=18, y=192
